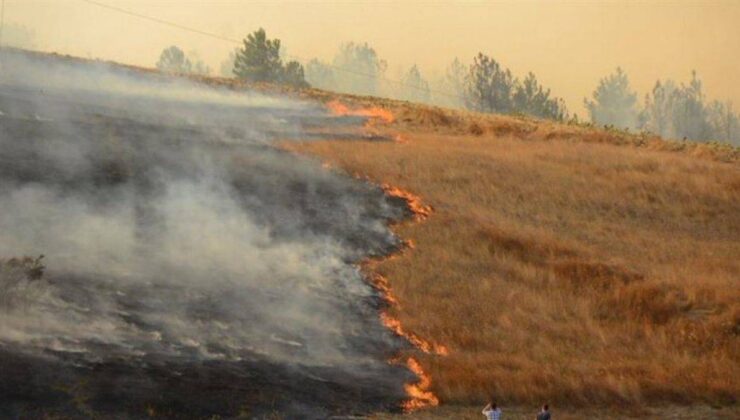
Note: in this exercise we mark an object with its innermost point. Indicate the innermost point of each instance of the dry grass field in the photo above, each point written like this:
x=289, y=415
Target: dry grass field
x=587, y=268
x=561, y=263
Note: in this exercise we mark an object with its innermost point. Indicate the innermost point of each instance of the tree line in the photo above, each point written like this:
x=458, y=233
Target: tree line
x=484, y=85
x=258, y=60
x=672, y=110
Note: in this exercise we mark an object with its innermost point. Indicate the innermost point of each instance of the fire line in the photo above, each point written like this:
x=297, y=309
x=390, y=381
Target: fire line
x=340, y=109
x=419, y=392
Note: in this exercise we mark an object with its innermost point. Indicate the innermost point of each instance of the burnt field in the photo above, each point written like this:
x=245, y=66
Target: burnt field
x=189, y=268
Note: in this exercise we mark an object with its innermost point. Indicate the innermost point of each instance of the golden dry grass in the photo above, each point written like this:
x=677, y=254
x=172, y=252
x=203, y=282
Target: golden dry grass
x=585, y=267
x=563, y=269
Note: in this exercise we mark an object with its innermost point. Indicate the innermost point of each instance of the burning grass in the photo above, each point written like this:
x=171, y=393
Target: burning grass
x=562, y=263
x=340, y=109
x=568, y=267
x=416, y=117
x=419, y=393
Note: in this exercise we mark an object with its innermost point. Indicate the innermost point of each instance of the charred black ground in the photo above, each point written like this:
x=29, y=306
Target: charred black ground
x=191, y=268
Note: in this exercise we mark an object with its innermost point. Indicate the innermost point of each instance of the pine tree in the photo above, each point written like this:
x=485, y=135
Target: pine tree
x=259, y=58
x=531, y=98
x=415, y=87
x=489, y=86
x=173, y=60
x=613, y=102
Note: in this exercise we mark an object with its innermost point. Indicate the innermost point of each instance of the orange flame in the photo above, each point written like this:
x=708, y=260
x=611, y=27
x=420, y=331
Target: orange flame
x=394, y=325
x=420, y=210
x=381, y=284
x=338, y=108
x=419, y=393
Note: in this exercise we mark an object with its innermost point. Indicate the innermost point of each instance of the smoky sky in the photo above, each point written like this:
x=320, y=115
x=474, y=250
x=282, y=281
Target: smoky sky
x=569, y=45
x=174, y=231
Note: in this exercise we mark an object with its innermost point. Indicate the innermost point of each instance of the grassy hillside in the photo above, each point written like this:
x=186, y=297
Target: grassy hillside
x=562, y=263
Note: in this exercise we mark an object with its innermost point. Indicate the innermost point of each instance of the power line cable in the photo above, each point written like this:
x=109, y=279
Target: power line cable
x=162, y=21
x=236, y=41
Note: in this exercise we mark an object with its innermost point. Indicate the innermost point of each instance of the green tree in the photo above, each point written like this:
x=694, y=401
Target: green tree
x=489, y=86
x=453, y=84
x=680, y=112
x=259, y=61
x=455, y=77
x=724, y=122
x=532, y=99
x=198, y=66
x=259, y=58
x=657, y=115
x=173, y=60
x=613, y=102
x=321, y=75
x=448, y=88
x=359, y=69
x=689, y=111
x=415, y=87
x=293, y=74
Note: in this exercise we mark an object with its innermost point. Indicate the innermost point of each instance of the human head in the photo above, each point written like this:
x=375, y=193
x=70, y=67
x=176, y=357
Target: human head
x=545, y=407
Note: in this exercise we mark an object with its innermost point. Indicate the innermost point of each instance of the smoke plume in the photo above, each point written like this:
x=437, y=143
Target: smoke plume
x=191, y=268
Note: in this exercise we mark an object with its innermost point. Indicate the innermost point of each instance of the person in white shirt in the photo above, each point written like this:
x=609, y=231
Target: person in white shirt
x=544, y=414
x=491, y=411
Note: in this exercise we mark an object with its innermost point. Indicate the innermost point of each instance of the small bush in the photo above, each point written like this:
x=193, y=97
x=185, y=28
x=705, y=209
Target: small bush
x=17, y=276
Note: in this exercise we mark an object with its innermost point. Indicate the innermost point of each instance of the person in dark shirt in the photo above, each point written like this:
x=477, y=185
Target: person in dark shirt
x=544, y=414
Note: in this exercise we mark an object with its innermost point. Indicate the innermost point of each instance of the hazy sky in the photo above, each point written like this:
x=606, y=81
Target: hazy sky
x=568, y=44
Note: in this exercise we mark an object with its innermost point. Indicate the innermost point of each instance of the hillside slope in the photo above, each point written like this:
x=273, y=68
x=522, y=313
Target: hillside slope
x=562, y=263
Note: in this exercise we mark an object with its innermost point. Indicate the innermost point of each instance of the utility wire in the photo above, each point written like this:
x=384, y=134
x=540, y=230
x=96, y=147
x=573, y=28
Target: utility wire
x=236, y=41
x=162, y=21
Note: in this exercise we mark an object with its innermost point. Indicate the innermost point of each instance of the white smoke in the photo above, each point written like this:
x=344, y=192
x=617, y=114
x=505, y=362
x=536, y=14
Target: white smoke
x=172, y=229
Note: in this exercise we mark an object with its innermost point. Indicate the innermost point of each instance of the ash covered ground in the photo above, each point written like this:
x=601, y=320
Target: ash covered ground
x=190, y=267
